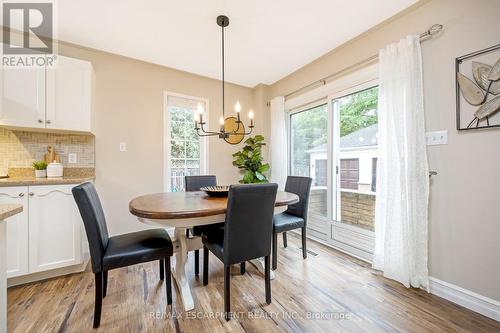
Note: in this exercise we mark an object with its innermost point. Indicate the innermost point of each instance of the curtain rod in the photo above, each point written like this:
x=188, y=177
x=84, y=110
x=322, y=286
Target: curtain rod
x=434, y=29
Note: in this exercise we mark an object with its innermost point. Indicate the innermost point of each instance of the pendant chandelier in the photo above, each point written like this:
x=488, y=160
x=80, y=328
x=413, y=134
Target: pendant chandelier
x=231, y=128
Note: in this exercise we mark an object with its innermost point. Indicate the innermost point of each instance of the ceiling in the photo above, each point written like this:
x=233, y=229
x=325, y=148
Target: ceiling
x=265, y=41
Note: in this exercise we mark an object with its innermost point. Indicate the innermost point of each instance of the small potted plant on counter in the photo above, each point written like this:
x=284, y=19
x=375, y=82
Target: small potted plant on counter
x=40, y=169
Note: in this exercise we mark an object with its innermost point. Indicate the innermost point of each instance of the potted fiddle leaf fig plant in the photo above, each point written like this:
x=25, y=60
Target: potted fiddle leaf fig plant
x=250, y=161
x=40, y=169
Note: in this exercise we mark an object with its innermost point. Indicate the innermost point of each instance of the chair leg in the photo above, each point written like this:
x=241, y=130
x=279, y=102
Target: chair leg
x=168, y=280
x=187, y=233
x=275, y=250
x=267, y=278
x=104, y=283
x=205, y=266
x=227, y=291
x=197, y=262
x=304, y=249
x=242, y=268
x=285, y=243
x=98, y=299
x=162, y=269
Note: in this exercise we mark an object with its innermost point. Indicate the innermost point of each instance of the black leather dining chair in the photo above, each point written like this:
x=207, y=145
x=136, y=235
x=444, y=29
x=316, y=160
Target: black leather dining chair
x=246, y=234
x=294, y=217
x=108, y=253
x=195, y=183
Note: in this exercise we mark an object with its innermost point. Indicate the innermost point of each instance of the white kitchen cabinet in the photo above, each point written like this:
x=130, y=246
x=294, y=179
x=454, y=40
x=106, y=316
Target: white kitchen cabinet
x=57, y=98
x=54, y=228
x=22, y=97
x=17, y=231
x=69, y=95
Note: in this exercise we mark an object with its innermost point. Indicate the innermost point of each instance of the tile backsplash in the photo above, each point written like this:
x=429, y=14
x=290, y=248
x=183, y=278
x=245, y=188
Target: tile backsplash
x=18, y=149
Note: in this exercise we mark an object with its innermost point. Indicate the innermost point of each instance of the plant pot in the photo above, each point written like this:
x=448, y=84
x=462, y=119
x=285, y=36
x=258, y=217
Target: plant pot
x=40, y=173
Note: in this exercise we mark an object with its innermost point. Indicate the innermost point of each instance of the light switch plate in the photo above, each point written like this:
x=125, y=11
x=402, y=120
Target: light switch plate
x=72, y=158
x=437, y=138
x=123, y=146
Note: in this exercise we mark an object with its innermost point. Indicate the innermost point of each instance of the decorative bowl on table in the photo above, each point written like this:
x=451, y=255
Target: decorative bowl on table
x=216, y=191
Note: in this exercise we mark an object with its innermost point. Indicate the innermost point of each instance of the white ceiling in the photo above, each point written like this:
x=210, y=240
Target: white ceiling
x=265, y=41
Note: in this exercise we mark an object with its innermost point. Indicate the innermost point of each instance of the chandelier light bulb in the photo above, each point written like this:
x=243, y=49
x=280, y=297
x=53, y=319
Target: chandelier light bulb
x=250, y=114
x=237, y=107
x=200, y=108
x=221, y=121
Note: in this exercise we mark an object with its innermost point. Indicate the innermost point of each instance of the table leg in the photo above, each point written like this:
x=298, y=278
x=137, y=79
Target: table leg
x=259, y=264
x=179, y=272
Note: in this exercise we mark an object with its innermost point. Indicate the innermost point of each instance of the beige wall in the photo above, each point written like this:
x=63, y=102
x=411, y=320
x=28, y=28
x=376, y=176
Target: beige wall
x=129, y=108
x=464, y=200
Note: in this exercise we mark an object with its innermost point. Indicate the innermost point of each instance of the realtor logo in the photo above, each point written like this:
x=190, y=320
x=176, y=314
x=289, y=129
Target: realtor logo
x=35, y=22
x=28, y=34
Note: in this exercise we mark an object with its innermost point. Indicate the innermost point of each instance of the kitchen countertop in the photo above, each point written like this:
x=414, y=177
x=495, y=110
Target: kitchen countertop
x=21, y=181
x=7, y=210
x=26, y=177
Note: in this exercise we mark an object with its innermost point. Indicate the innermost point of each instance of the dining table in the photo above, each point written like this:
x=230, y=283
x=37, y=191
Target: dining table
x=185, y=210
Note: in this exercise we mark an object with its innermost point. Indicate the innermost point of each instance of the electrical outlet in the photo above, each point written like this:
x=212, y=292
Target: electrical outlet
x=437, y=138
x=72, y=158
x=123, y=146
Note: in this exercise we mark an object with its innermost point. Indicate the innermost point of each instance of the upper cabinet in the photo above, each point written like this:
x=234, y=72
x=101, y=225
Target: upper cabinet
x=54, y=98
x=68, y=97
x=23, y=97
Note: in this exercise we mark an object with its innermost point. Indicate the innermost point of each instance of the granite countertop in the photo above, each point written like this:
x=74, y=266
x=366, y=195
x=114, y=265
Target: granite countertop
x=7, y=210
x=25, y=176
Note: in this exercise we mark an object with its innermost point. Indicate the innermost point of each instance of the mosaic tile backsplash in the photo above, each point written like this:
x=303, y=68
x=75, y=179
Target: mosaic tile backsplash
x=18, y=149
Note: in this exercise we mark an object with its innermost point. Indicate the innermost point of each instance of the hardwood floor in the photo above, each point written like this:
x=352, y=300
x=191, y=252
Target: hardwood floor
x=331, y=292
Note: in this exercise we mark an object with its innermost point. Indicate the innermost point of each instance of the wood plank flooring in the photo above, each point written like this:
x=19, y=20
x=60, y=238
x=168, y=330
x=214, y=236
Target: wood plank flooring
x=331, y=292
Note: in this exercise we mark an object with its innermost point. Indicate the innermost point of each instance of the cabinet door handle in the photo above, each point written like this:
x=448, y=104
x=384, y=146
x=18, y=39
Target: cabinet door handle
x=54, y=191
x=48, y=121
x=9, y=195
x=21, y=195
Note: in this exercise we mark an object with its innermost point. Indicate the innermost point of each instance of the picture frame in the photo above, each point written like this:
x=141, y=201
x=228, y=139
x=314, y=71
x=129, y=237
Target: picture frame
x=477, y=97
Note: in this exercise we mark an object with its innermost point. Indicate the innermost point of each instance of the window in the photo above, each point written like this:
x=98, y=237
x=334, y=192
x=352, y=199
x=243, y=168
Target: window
x=185, y=150
x=349, y=173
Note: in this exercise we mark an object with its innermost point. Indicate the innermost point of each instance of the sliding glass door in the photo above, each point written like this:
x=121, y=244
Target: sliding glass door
x=335, y=143
x=308, y=129
x=356, y=131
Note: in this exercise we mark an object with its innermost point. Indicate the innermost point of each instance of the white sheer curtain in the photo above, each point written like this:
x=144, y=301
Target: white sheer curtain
x=278, y=142
x=403, y=172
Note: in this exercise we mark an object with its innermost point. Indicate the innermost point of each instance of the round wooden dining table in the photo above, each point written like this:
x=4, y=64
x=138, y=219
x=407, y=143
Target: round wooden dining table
x=184, y=210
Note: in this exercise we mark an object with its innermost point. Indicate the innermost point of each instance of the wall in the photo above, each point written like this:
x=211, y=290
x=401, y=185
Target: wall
x=129, y=108
x=464, y=215
x=18, y=149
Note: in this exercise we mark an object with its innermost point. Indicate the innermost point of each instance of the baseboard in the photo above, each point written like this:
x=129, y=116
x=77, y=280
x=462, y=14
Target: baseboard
x=486, y=306
x=33, y=277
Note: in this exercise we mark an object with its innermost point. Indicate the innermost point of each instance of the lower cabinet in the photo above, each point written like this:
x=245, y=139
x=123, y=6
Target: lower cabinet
x=48, y=234
x=54, y=228
x=17, y=231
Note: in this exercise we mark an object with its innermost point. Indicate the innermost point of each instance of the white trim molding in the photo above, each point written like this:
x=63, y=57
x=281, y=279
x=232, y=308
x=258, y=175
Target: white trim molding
x=166, y=137
x=468, y=299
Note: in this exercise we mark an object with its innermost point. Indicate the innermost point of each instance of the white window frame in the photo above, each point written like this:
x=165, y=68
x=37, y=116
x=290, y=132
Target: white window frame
x=361, y=241
x=204, y=147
